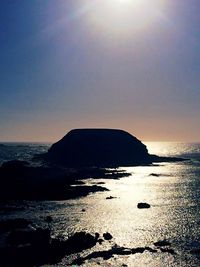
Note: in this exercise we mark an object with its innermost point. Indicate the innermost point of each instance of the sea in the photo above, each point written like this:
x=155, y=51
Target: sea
x=172, y=190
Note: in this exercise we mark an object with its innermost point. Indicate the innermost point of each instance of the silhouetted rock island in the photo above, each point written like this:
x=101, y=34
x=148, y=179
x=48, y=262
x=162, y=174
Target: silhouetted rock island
x=100, y=148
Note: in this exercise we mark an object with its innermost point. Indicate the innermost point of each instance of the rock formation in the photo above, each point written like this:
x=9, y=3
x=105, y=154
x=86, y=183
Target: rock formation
x=98, y=147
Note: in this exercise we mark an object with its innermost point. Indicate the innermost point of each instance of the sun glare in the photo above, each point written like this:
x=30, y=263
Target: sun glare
x=123, y=18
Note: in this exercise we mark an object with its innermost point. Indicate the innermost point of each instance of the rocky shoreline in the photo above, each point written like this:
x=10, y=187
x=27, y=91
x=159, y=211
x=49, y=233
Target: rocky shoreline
x=25, y=244
x=20, y=181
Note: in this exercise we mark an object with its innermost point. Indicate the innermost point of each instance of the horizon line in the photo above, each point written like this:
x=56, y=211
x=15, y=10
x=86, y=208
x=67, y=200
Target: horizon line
x=51, y=142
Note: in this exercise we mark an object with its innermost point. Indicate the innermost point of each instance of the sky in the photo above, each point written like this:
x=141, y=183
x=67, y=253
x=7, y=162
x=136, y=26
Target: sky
x=126, y=64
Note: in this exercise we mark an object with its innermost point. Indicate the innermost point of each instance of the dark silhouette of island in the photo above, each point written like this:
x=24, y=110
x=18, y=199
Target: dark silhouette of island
x=100, y=148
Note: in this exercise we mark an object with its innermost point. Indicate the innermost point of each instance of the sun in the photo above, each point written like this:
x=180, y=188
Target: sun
x=123, y=1
x=122, y=18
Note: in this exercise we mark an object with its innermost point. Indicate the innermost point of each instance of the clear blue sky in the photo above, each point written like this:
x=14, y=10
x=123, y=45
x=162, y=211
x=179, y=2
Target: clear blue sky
x=85, y=63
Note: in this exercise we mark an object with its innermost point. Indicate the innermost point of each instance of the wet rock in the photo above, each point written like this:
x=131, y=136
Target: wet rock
x=143, y=205
x=115, y=250
x=138, y=250
x=162, y=243
x=168, y=250
x=97, y=235
x=77, y=182
x=100, y=241
x=151, y=249
x=48, y=219
x=31, y=183
x=34, y=247
x=15, y=164
x=84, y=190
x=158, y=159
x=110, y=197
x=29, y=235
x=100, y=183
x=41, y=183
x=154, y=174
x=80, y=241
x=107, y=236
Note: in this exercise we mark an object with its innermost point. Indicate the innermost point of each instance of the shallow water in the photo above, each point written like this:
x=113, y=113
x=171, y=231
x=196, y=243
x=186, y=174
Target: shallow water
x=174, y=196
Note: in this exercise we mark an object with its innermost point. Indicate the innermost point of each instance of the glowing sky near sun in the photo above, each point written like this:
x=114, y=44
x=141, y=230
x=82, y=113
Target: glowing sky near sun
x=100, y=63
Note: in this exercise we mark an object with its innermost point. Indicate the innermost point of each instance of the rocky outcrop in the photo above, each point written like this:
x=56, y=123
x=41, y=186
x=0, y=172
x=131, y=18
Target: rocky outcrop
x=98, y=147
x=50, y=183
x=27, y=245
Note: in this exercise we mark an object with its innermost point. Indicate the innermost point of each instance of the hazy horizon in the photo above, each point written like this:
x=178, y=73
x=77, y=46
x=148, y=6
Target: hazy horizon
x=132, y=65
x=57, y=138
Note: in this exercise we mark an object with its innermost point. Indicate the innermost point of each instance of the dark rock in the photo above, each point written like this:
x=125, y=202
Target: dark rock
x=10, y=225
x=98, y=147
x=29, y=235
x=138, y=250
x=15, y=164
x=107, y=236
x=155, y=158
x=100, y=241
x=31, y=183
x=42, y=183
x=97, y=235
x=48, y=219
x=77, y=182
x=80, y=191
x=115, y=250
x=80, y=241
x=142, y=205
x=83, y=210
x=162, y=243
x=34, y=247
x=151, y=249
x=168, y=250
x=154, y=174
x=110, y=197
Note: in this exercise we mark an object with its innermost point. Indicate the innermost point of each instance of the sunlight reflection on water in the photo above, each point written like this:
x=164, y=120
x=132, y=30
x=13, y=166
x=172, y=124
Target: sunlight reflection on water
x=172, y=214
x=172, y=190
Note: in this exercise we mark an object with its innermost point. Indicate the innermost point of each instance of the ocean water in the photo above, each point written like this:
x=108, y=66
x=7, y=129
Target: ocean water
x=174, y=196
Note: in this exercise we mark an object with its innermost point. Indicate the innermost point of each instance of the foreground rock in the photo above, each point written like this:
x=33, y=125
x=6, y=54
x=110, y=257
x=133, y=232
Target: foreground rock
x=26, y=245
x=20, y=181
x=100, y=148
x=33, y=246
x=118, y=250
